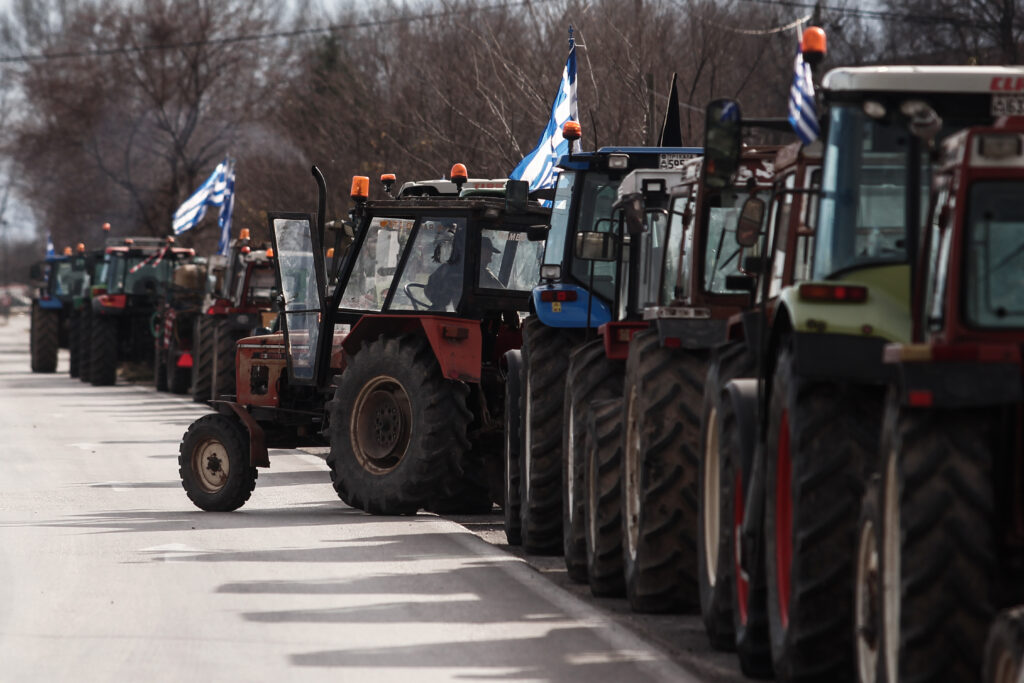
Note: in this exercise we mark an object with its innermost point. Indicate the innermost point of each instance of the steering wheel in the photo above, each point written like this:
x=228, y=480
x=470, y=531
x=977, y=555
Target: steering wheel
x=417, y=305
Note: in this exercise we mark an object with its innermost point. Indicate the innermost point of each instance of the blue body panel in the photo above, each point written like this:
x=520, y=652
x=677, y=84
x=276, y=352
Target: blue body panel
x=571, y=313
x=51, y=304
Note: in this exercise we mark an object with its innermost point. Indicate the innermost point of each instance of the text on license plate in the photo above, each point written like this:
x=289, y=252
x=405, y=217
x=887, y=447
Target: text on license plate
x=673, y=161
x=1007, y=105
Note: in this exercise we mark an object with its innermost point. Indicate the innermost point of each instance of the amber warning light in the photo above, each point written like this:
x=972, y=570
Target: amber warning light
x=572, y=131
x=360, y=187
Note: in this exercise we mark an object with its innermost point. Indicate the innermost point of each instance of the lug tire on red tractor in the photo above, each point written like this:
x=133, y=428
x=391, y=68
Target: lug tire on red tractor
x=545, y=364
x=938, y=544
x=867, y=585
x=822, y=439
x=513, y=395
x=1004, y=648
x=224, y=347
x=748, y=590
x=177, y=378
x=44, y=338
x=603, y=450
x=398, y=427
x=213, y=462
x=592, y=376
x=159, y=367
x=74, y=350
x=664, y=391
x=84, y=344
x=202, y=359
x=466, y=490
x=103, y=351
x=714, y=533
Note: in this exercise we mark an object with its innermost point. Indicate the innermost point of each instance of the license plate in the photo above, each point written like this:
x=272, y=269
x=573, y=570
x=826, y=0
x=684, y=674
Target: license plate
x=1007, y=105
x=672, y=162
x=556, y=306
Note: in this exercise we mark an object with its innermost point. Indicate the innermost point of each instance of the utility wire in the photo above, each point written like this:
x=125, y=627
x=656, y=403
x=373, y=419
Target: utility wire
x=335, y=28
x=882, y=15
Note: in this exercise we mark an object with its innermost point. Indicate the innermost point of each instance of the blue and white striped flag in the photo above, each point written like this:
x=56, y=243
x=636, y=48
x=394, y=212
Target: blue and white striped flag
x=50, y=251
x=212, y=192
x=227, y=205
x=803, y=115
x=538, y=167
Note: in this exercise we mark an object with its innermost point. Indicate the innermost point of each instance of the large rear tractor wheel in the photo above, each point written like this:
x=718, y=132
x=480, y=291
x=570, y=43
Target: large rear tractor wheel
x=398, y=428
x=714, y=533
x=85, y=344
x=224, y=346
x=213, y=462
x=74, y=345
x=202, y=359
x=103, y=351
x=938, y=545
x=603, y=449
x=44, y=338
x=1004, y=649
x=664, y=391
x=545, y=364
x=513, y=433
x=867, y=588
x=592, y=377
x=822, y=438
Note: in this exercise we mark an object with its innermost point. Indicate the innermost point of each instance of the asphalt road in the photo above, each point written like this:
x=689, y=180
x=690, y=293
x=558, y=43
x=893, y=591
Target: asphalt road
x=107, y=571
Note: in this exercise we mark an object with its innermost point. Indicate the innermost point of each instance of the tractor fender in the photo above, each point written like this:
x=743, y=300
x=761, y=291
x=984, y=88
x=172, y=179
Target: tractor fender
x=742, y=395
x=457, y=342
x=258, y=455
x=565, y=305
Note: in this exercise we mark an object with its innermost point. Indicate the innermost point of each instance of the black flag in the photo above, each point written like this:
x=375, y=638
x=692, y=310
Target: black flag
x=672, y=129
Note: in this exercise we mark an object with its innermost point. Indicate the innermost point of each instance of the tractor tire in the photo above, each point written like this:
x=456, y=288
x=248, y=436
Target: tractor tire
x=176, y=378
x=592, y=376
x=749, y=599
x=202, y=359
x=467, y=490
x=103, y=351
x=603, y=449
x=867, y=587
x=938, y=544
x=159, y=367
x=664, y=391
x=44, y=339
x=714, y=533
x=822, y=439
x=224, y=346
x=398, y=428
x=1004, y=649
x=213, y=462
x=85, y=344
x=74, y=350
x=545, y=364
x=513, y=432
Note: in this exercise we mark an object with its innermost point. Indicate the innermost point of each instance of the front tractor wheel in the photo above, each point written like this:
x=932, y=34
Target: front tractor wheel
x=398, y=428
x=213, y=463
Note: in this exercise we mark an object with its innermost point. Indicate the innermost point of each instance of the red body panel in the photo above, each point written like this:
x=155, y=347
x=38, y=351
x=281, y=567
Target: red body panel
x=457, y=342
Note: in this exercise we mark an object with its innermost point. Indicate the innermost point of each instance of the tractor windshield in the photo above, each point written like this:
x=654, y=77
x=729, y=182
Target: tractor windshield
x=137, y=273
x=261, y=286
x=294, y=252
x=376, y=263
x=994, y=262
x=508, y=260
x=554, y=253
x=62, y=280
x=721, y=252
x=432, y=277
x=861, y=213
x=597, y=196
x=678, y=245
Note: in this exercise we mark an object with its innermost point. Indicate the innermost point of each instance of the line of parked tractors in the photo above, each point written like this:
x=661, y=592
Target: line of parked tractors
x=778, y=385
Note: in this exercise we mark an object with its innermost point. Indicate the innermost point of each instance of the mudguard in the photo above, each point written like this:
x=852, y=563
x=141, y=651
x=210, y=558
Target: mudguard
x=561, y=313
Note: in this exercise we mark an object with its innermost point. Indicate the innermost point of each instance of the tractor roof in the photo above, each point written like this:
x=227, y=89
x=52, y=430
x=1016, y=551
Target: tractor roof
x=935, y=79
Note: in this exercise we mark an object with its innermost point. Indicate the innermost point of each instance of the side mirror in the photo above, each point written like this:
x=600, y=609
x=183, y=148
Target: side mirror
x=749, y=225
x=592, y=245
x=517, y=194
x=633, y=211
x=722, y=142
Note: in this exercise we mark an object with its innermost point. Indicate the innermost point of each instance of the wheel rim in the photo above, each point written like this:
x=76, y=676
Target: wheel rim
x=526, y=447
x=570, y=463
x=632, y=482
x=742, y=580
x=211, y=465
x=866, y=596
x=783, y=520
x=381, y=424
x=508, y=459
x=891, y=570
x=711, y=498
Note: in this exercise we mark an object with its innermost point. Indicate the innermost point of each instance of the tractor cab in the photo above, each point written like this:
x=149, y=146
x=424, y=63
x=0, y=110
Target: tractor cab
x=136, y=271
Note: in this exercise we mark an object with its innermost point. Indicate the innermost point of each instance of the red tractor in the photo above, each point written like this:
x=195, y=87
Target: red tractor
x=240, y=297
x=397, y=367
x=173, y=323
x=941, y=542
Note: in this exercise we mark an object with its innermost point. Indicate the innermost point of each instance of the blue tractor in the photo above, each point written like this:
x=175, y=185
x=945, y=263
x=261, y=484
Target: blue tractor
x=574, y=297
x=51, y=307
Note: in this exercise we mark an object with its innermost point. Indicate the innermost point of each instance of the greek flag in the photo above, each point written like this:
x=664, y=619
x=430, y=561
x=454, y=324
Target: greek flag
x=802, y=113
x=50, y=251
x=227, y=205
x=538, y=167
x=214, y=192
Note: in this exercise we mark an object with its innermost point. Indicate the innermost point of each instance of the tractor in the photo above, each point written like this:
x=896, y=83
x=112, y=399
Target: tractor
x=397, y=367
x=51, y=307
x=173, y=324
x=941, y=541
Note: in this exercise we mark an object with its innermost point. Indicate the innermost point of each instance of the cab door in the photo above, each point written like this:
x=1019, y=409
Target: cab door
x=301, y=279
